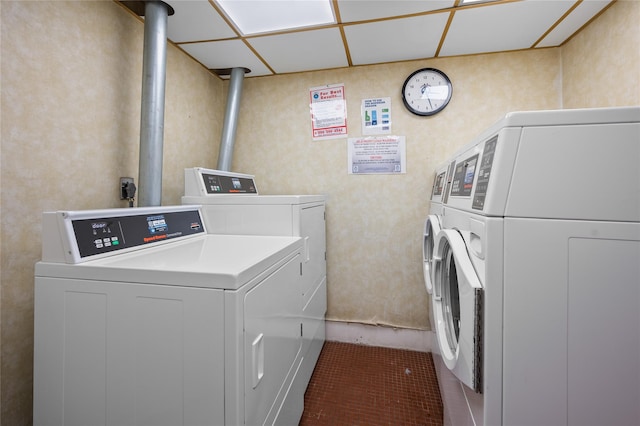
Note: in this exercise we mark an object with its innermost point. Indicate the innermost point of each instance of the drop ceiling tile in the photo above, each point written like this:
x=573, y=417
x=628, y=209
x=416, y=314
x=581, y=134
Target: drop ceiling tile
x=501, y=27
x=196, y=21
x=302, y=51
x=572, y=23
x=226, y=54
x=396, y=39
x=358, y=10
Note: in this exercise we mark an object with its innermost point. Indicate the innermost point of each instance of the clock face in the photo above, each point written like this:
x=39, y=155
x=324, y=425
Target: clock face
x=426, y=91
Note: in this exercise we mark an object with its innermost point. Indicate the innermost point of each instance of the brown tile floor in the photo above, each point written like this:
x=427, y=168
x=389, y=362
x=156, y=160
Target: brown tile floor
x=365, y=385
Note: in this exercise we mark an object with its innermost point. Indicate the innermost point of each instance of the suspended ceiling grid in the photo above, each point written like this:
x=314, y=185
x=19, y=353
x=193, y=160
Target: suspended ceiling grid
x=369, y=32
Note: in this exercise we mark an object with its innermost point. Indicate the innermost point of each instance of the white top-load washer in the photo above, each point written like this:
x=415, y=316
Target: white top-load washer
x=143, y=318
x=231, y=204
x=535, y=271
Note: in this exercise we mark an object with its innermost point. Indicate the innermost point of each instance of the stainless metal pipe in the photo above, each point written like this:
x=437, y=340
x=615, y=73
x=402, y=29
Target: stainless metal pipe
x=230, y=124
x=154, y=70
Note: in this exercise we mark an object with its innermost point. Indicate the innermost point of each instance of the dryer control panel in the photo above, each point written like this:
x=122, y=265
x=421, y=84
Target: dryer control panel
x=199, y=181
x=90, y=234
x=220, y=184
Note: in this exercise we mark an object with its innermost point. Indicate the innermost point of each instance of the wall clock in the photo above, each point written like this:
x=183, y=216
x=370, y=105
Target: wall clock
x=426, y=91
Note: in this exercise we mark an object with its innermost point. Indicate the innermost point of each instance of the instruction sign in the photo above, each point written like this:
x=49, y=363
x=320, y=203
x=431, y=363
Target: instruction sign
x=377, y=155
x=376, y=116
x=328, y=112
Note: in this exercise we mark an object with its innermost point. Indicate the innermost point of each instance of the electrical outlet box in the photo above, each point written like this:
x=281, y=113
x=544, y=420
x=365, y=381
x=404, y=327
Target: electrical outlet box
x=124, y=181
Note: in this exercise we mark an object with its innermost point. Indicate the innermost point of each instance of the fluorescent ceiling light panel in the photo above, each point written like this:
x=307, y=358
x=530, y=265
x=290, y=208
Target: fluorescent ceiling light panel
x=463, y=2
x=263, y=16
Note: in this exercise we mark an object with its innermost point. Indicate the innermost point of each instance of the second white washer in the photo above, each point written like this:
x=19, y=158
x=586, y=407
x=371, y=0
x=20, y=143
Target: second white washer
x=432, y=225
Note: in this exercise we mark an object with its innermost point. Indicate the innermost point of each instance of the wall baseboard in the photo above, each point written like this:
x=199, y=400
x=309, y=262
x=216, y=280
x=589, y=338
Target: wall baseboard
x=388, y=337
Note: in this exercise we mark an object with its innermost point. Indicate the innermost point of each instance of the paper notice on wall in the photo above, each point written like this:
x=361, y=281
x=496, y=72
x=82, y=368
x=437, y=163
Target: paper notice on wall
x=377, y=155
x=376, y=116
x=328, y=112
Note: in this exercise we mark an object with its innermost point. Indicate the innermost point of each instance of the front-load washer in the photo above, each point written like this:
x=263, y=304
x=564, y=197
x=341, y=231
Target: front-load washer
x=432, y=223
x=142, y=317
x=231, y=204
x=535, y=271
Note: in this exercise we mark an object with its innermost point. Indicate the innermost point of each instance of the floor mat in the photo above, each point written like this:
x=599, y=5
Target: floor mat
x=366, y=385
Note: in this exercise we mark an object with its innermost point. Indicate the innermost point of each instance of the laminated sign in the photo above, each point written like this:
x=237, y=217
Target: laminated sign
x=376, y=116
x=381, y=154
x=328, y=112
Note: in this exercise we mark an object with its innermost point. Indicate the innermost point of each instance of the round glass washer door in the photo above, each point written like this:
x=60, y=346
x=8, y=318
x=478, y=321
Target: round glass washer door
x=431, y=229
x=457, y=305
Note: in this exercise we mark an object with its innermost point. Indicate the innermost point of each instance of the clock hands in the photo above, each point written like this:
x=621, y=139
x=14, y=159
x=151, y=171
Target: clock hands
x=425, y=89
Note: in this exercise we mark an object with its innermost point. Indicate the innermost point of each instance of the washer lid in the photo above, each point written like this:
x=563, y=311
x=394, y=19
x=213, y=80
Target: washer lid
x=457, y=304
x=209, y=261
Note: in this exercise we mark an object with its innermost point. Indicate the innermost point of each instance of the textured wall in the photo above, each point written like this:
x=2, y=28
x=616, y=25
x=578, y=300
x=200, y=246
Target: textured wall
x=601, y=65
x=71, y=80
x=374, y=222
x=70, y=84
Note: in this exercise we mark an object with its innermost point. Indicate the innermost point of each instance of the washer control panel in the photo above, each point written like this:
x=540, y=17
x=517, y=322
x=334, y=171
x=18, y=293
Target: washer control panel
x=464, y=174
x=77, y=236
x=438, y=184
x=471, y=175
x=482, y=185
x=99, y=235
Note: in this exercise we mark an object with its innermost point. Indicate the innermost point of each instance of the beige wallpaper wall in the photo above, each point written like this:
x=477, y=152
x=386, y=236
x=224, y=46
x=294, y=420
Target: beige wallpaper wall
x=374, y=222
x=601, y=65
x=71, y=81
x=70, y=102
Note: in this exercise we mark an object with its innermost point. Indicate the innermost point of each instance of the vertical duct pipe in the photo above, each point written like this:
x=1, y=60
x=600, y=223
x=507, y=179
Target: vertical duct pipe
x=231, y=119
x=154, y=69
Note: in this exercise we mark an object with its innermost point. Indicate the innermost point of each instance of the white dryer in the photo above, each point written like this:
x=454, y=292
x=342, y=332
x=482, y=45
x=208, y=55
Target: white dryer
x=535, y=271
x=231, y=204
x=143, y=318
